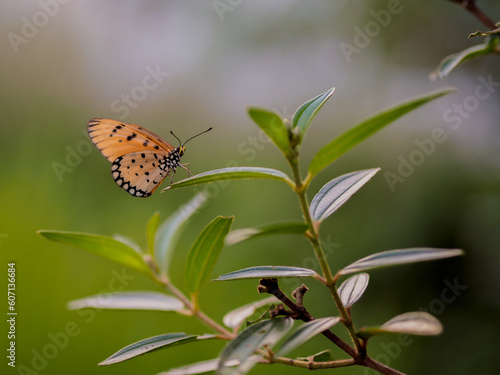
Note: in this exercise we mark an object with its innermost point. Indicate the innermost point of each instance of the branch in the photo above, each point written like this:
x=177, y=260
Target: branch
x=312, y=365
x=371, y=363
x=471, y=6
x=224, y=333
x=300, y=312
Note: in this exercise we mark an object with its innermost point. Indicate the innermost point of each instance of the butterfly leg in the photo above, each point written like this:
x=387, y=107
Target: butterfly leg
x=172, y=174
x=186, y=168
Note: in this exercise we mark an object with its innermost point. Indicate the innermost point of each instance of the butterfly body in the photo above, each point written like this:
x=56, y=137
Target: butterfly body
x=140, y=159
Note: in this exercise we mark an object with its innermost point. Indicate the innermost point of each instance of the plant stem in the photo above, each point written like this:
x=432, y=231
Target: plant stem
x=313, y=236
x=347, y=320
x=195, y=310
x=471, y=6
x=271, y=286
x=377, y=366
x=300, y=190
x=311, y=365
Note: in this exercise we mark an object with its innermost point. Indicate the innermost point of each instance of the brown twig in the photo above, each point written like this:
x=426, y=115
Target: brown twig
x=471, y=6
x=298, y=294
x=300, y=312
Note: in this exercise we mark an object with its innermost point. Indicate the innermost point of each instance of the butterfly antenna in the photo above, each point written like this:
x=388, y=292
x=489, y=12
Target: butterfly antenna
x=194, y=136
x=180, y=143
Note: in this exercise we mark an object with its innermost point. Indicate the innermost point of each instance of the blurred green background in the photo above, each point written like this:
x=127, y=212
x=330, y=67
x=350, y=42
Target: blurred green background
x=215, y=59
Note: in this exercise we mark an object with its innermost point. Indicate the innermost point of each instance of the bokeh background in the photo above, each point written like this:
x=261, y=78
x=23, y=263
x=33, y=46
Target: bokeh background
x=214, y=59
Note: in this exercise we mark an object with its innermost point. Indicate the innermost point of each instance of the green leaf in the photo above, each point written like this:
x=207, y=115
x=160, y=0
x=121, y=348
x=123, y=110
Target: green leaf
x=151, y=228
x=323, y=356
x=336, y=192
x=106, y=247
x=263, y=272
x=243, y=347
x=205, y=252
x=197, y=368
x=353, y=288
x=234, y=173
x=170, y=231
x=151, y=344
x=365, y=129
x=273, y=126
x=413, y=323
x=400, y=256
x=452, y=61
x=240, y=235
x=128, y=301
x=235, y=318
x=130, y=242
x=305, y=333
x=304, y=115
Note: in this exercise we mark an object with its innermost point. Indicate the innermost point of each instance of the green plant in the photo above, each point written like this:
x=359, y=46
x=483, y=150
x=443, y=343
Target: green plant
x=489, y=46
x=256, y=342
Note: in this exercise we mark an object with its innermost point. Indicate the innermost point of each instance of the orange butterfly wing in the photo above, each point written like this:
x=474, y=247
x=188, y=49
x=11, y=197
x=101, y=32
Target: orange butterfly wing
x=114, y=138
x=140, y=173
x=140, y=159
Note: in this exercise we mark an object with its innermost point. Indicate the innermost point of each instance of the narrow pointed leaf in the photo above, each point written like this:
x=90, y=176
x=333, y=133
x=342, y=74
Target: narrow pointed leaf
x=336, y=192
x=129, y=301
x=365, y=129
x=151, y=228
x=151, y=344
x=240, y=235
x=234, y=173
x=273, y=126
x=198, y=367
x=323, y=356
x=243, y=347
x=304, y=115
x=449, y=63
x=400, y=256
x=353, y=288
x=205, y=252
x=413, y=323
x=305, y=333
x=130, y=242
x=170, y=231
x=262, y=272
x=235, y=318
x=106, y=247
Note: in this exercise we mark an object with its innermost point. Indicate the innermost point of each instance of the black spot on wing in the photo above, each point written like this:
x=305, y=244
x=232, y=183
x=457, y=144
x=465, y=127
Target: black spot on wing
x=130, y=137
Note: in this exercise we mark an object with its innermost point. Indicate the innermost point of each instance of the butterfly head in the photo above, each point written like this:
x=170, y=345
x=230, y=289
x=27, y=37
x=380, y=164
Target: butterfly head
x=181, y=149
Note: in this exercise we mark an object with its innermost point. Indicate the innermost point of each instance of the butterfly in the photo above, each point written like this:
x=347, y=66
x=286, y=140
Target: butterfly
x=140, y=159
